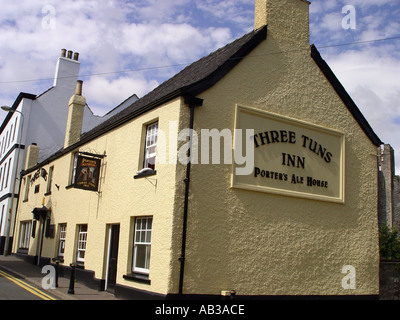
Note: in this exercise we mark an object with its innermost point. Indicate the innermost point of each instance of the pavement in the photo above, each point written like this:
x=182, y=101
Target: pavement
x=33, y=274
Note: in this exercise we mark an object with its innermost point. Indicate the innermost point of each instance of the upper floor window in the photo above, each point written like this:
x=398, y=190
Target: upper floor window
x=4, y=176
x=8, y=172
x=15, y=126
x=50, y=179
x=150, y=146
x=27, y=185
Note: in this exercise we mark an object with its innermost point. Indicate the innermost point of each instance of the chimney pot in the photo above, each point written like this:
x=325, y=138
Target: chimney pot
x=76, y=56
x=63, y=52
x=78, y=89
x=69, y=54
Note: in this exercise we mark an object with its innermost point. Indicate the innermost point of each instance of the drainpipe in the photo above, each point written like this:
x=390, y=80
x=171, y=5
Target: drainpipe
x=192, y=102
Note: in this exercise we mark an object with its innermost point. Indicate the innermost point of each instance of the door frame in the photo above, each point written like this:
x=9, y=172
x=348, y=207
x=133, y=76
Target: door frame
x=108, y=256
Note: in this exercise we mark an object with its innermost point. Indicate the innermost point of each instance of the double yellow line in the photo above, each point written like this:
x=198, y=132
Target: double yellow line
x=26, y=286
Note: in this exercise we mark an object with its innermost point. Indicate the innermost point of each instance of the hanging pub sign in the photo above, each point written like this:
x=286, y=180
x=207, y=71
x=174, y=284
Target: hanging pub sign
x=87, y=173
x=291, y=157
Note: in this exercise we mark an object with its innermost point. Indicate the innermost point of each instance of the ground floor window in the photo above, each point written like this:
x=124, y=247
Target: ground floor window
x=25, y=234
x=82, y=239
x=142, y=245
x=61, y=240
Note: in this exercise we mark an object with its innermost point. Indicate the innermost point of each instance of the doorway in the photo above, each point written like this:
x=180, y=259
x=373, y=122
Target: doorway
x=112, y=262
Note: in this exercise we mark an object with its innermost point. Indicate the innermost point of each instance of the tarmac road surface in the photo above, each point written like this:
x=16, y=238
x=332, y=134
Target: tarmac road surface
x=13, y=288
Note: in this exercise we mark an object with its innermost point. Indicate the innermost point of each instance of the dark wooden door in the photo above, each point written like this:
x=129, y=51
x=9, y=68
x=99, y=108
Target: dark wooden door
x=113, y=258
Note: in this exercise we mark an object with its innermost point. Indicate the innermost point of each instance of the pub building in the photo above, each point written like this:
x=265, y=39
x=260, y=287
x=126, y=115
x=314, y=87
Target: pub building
x=288, y=208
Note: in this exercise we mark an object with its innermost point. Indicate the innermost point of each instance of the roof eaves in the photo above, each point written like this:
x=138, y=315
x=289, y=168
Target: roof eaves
x=347, y=100
x=191, y=90
x=229, y=64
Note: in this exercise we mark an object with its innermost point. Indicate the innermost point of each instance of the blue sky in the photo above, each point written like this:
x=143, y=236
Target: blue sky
x=115, y=38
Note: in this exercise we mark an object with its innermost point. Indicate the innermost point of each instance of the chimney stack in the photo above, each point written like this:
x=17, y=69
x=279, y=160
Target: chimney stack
x=287, y=20
x=67, y=70
x=32, y=156
x=77, y=105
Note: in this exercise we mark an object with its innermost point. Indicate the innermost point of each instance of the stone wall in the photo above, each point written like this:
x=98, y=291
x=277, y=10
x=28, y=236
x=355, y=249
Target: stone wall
x=388, y=188
x=389, y=280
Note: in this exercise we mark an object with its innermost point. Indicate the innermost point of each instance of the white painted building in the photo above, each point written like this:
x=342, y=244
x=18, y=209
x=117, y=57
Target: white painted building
x=38, y=120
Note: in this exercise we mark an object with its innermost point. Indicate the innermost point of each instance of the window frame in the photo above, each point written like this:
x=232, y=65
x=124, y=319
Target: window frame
x=8, y=172
x=25, y=234
x=81, y=243
x=27, y=187
x=74, y=166
x=50, y=180
x=150, y=142
x=4, y=175
x=62, y=235
x=138, y=232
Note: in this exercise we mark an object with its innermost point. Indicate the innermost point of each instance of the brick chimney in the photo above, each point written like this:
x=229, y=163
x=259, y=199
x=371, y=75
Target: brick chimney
x=77, y=105
x=287, y=20
x=67, y=69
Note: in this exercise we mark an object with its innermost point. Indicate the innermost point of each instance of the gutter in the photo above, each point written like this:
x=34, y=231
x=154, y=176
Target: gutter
x=192, y=102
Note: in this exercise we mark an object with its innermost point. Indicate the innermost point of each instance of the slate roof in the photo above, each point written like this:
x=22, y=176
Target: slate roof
x=203, y=74
x=191, y=81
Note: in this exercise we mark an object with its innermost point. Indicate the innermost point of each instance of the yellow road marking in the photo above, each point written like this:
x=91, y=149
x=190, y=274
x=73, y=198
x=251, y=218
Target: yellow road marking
x=26, y=286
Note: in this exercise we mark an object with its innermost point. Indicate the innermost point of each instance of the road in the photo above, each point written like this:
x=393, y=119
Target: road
x=14, y=288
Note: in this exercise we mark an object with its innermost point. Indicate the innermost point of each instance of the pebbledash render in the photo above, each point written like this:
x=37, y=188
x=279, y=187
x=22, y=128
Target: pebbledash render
x=294, y=213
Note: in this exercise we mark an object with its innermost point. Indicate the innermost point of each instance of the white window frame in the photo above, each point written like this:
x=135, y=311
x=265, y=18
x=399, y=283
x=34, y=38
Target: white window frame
x=27, y=187
x=74, y=165
x=50, y=179
x=8, y=172
x=1, y=217
x=142, y=238
x=150, y=146
x=61, y=239
x=4, y=175
x=25, y=234
x=81, y=243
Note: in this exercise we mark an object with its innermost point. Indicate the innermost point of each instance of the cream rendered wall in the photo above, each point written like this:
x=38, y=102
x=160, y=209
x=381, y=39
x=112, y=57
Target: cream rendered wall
x=263, y=244
x=121, y=198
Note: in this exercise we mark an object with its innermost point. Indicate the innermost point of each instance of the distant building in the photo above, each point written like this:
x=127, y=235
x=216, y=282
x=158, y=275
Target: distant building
x=41, y=120
x=389, y=188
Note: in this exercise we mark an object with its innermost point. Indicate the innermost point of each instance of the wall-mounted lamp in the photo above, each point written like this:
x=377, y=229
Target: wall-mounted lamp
x=8, y=109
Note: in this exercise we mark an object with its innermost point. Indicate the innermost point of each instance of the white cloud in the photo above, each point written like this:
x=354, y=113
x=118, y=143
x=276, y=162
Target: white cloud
x=107, y=38
x=371, y=77
x=100, y=92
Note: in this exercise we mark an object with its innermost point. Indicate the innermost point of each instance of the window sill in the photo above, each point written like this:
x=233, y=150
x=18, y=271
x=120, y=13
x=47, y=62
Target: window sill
x=145, y=174
x=137, y=277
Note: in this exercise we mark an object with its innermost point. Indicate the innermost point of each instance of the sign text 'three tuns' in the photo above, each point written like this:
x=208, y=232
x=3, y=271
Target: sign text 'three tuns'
x=292, y=157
